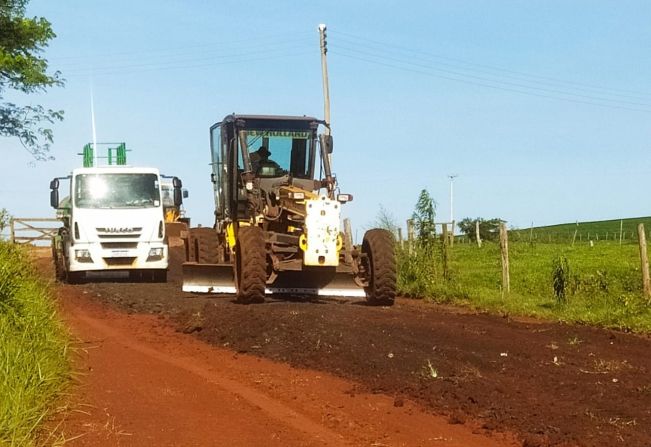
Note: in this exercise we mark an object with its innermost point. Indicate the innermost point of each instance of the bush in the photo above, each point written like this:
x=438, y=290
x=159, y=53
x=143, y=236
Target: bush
x=33, y=344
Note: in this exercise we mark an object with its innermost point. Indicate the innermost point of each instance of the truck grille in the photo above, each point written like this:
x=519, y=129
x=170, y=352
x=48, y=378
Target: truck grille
x=119, y=261
x=119, y=233
x=116, y=245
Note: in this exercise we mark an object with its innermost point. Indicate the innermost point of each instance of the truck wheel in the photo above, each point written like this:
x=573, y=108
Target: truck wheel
x=159, y=275
x=74, y=277
x=250, y=265
x=207, y=246
x=380, y=266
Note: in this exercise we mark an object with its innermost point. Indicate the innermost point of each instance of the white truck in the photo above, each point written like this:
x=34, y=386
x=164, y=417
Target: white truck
x=113, y=223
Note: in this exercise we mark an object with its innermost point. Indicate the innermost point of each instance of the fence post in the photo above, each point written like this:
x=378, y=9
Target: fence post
x=400, y=244
x=348, y=234
x=444, y=252
x=477, y=233
x=12, y=232
x=644, y=260
x=504, y=248
x=621, y=227
x=410, y=235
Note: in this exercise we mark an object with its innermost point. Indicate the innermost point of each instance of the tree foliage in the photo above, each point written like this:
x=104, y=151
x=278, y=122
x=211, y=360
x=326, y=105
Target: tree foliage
x=23, y=69
x=489, y=229
x=386, y=220
x=423, y=218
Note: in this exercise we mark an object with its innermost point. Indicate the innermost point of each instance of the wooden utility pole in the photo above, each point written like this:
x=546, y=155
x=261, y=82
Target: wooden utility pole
x=504, y=249
x=477, y=233
x=644, y=261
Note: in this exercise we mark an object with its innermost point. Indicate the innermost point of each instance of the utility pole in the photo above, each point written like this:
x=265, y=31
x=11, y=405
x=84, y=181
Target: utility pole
x=324, y=76
x=452, y=177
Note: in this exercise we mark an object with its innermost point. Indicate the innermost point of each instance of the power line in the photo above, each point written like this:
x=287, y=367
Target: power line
x=480, y=84
x=461, y=76
x=463, y=64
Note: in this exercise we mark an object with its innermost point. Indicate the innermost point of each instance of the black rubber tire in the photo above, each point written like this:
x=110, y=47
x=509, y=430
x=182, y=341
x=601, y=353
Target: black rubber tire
x=250, y=265
x=207, y=245
x=159, y=276
x=379, y=248
x=75, y=277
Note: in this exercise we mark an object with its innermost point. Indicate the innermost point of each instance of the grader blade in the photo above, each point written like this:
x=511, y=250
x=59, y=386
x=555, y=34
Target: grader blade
x=208, y=278
x=321, y=281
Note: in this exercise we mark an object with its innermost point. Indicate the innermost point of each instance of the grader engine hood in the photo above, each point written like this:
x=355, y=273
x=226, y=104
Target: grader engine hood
x=321, y=241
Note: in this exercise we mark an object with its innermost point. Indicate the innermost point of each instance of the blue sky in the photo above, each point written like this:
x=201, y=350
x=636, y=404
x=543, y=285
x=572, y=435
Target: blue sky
x=543, y=108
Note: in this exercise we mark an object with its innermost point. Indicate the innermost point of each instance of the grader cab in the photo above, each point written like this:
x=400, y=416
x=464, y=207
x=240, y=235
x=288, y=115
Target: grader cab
x=277, y=223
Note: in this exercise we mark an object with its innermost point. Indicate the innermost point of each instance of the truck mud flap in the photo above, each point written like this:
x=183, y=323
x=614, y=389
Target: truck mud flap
x=208, y=278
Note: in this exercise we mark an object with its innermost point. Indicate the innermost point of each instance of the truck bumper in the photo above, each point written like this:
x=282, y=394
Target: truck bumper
x=94, y=257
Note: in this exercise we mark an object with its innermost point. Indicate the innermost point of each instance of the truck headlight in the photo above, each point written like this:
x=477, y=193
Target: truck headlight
x=155, y=254
x=83, y=256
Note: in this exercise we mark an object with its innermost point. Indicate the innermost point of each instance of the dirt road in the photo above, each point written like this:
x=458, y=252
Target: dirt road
x=334, y=372
x=145, y=384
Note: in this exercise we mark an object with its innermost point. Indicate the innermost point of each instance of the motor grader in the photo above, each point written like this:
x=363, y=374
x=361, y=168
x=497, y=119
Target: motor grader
x=277, y=223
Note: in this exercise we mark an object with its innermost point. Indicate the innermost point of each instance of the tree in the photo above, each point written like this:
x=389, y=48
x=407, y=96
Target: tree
x=23, y=69
x=489, y=229
x=386, y=220
x=423, y=218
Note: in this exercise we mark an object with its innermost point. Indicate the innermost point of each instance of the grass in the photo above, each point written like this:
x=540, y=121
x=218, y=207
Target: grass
x=602, y=283
x=34, y=366
x=585, y=231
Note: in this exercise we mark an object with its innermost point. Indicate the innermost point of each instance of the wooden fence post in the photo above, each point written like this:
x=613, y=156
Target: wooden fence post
x=12, y=232
x=644, y=260
x=400, y=243
x=621, y=227
x=410, y=235
x=348, y=234
x=477, y=233
x=504, y=248
x=444, y=252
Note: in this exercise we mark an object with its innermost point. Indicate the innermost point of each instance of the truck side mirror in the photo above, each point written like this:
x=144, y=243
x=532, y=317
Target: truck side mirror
x=54, y=184
x=186, y=194
x=54, y=198
x=176, y=182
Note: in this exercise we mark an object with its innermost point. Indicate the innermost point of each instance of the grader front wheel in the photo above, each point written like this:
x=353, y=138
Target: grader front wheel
x=250, y=265
x=380, y=265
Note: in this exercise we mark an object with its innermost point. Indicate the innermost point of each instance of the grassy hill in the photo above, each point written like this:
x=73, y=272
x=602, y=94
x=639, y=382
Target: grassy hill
x=597, y=230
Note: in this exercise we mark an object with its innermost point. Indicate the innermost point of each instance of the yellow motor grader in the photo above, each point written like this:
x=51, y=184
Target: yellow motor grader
x=277, y=223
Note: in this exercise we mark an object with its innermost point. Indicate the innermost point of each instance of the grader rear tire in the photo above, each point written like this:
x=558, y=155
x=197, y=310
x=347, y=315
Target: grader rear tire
x=250, y=265
x=379, y=248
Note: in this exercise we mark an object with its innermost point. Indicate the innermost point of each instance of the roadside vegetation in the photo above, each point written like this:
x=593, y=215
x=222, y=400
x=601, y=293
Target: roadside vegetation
x=34, y=366
x=595, y=281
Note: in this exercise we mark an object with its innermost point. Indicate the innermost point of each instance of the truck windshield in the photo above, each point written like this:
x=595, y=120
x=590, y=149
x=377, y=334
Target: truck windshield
x=117, y=191
x=275, y=153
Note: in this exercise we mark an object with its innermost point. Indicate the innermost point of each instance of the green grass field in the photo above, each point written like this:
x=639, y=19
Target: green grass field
x=34, y=366
x=598, y=230
x=604, y=285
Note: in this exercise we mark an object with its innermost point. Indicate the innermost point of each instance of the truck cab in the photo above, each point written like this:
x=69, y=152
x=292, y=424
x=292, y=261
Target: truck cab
x=113, y=224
